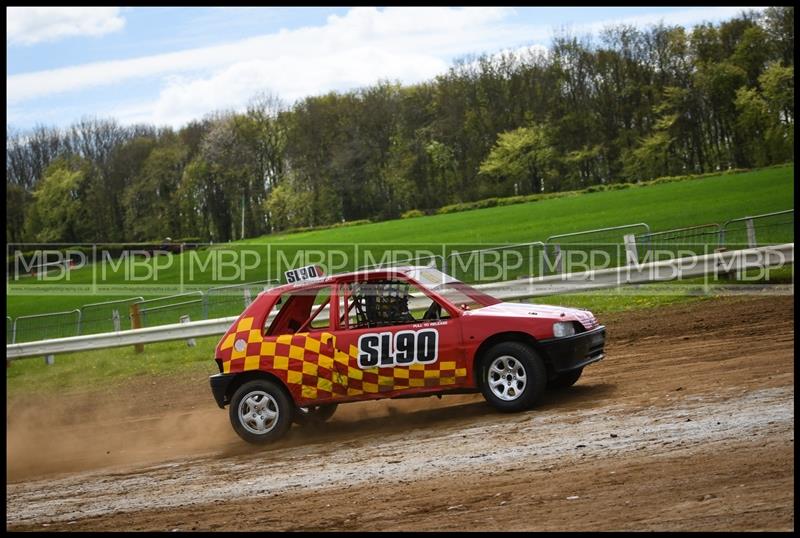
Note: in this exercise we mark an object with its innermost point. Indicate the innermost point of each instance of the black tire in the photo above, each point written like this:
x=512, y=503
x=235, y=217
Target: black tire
x=565, y=380
x=277, y=401
x=522, y=357
x=314, y=415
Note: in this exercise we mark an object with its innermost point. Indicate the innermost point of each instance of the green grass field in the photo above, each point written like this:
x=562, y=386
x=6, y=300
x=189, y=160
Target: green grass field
x=662, y=206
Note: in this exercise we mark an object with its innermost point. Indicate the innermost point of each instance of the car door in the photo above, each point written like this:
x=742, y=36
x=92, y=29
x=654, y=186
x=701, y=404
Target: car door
x=399, y=353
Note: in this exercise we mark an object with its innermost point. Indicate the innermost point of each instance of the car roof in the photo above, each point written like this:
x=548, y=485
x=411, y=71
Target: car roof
x=335, y=278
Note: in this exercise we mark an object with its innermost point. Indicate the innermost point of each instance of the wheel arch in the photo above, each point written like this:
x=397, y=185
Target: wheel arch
x=251, y=375
x=507, y=336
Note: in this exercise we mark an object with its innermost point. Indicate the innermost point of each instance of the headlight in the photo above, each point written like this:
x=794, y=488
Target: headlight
x=563, y=328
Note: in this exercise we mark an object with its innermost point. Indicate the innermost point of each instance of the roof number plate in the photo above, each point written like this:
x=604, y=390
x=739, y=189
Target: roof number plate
x=303, y=273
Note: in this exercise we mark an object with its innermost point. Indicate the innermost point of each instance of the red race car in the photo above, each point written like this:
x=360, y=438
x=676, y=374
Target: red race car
x=301, y=349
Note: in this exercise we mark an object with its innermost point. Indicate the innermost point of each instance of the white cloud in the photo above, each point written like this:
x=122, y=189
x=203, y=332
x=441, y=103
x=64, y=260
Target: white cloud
x=29, y=25
x=351, y=50
x=432, y=31
x=356, y=49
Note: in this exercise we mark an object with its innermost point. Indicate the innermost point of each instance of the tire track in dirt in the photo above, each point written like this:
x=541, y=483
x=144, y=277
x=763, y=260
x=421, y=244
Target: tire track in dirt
x=542, y=437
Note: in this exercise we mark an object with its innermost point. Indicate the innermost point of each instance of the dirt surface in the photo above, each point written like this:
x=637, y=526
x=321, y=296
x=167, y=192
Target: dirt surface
x=687, y=424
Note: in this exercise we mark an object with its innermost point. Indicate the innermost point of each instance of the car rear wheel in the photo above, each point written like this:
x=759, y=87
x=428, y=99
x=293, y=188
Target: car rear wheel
x=315, y=414
x=565, y=380
x=513, y=376
x=261, y=411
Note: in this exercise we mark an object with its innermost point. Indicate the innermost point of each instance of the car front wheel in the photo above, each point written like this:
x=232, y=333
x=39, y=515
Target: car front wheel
x=513, y=376
x=260, y=411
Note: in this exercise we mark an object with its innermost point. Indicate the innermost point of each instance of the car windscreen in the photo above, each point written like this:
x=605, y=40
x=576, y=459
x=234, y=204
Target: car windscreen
x=462, y=295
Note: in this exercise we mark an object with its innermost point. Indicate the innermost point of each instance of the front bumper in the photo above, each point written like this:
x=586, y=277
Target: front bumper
x=573, y=352
x=219, y=387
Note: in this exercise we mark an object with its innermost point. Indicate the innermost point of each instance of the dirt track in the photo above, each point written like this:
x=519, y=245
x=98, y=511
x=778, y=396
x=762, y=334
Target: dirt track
x=688, y=424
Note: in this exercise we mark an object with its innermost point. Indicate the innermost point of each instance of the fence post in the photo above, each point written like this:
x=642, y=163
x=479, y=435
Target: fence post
x=630, y=249
x=247, y=297
x=136, y=323
x=189, y=341
x=205, y=305
x=727, y=275
x=49, y=360
x=559, y=262
x=115, y=319
x=751, y=233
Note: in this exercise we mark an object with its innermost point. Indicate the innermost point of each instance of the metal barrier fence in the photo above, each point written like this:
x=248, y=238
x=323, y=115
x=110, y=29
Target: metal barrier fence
x=766, y=229
x=162, y=314
x=407, y=261
x=476, y=265
x=691, y=240
x=230, y=300
x=9, y=329
x=561, y=249
x=56, y=325
x=107, y=316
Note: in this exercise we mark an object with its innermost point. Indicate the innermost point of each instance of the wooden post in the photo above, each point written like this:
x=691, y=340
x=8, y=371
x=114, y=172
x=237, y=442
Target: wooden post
x=136, y=323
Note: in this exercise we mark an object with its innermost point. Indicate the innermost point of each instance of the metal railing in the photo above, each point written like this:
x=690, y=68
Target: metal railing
x=406, y=261
x=23, y=331
x=232, y=299
x=686, y=239
x=776, y=227
x=549, y=240
x=555, y=250
x=107, y=315
x=526, y=257
x=171, y=312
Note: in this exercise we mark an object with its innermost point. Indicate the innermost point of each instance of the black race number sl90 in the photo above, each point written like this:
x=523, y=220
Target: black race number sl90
x=398, y=349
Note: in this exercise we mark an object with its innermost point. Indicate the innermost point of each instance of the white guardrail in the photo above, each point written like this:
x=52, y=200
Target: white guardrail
x=719, y=262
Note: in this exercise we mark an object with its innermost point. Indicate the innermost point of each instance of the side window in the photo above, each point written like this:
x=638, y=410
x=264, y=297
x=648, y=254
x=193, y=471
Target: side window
x=321, y=310
x=299, y=311
x=381, y=303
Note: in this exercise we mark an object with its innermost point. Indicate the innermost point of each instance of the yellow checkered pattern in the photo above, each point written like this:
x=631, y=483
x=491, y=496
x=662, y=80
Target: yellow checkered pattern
x=315, y=369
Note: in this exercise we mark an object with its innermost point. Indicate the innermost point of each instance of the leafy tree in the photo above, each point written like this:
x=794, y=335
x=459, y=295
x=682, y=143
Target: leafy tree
x=57, y=214
x=779, y=23
x=521, y=160
x=150, y=209
x=289, y=206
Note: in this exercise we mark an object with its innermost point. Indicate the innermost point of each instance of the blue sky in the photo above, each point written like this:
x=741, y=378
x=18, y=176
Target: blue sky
x=167, y=66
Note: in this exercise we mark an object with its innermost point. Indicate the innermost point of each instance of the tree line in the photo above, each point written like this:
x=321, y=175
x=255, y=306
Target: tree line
x=626, y=104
